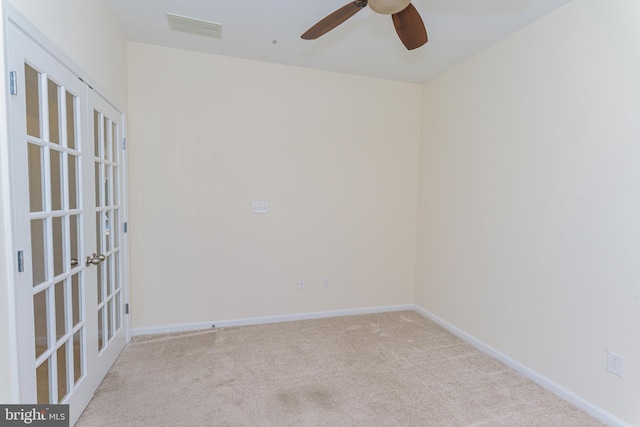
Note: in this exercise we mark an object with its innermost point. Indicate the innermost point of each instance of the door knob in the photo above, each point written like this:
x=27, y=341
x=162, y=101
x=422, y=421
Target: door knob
x=95, y=259
x=74, y=262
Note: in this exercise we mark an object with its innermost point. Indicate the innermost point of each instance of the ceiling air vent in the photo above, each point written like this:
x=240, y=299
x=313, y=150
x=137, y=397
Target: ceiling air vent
x=194, y=26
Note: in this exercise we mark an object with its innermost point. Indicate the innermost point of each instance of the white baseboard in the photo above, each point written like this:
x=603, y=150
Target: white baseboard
x=555, y=388
x=185, y=327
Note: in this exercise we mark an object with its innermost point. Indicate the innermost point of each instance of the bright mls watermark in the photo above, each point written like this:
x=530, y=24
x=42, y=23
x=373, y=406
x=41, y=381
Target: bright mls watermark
x=34, y=415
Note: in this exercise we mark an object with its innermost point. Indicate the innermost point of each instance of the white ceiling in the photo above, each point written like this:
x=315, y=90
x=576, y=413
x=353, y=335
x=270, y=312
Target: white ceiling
x=366, y=44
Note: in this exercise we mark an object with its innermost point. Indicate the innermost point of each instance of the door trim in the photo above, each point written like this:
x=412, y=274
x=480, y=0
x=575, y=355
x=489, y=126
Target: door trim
x=9, y=391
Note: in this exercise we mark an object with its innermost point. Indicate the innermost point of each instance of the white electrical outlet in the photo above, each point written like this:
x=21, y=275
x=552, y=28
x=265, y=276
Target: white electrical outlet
x=614, y=363
x=300, y=285
x=325, y=283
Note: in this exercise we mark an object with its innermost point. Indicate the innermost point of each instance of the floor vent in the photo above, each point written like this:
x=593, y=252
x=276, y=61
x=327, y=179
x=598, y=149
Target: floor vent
x=186, y=24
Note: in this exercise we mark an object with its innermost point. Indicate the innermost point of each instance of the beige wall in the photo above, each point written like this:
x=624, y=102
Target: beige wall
x=529, y=205
x=336, y=156
x=86, y=33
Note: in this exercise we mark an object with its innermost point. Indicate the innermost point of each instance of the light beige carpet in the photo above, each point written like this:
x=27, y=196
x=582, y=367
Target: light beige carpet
x=390, y=369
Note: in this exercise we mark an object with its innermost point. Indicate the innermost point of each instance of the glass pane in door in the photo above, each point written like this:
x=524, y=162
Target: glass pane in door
x=54, y=122
x=36, y=184
x=56, y=179
x=77, y=357
x=32, y=94
x=62, y=372
x=76, y=297
x=61, y=318
x=42, y=377
x=38, y=245
x=58, y=245
x=40, y=309
x=72, y=164
x=71, y=105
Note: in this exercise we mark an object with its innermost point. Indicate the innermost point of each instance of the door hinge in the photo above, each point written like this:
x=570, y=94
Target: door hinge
x=124, y=143
x=126, y=308
x=82, y=80
x=13, y=82
x=126, y=227
x=20, y=262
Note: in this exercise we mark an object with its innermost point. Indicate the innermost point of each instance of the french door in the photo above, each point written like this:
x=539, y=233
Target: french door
x=67, y=192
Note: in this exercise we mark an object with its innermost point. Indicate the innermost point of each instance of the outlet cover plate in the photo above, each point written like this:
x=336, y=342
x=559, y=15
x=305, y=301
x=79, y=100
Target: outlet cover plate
x=614, y=363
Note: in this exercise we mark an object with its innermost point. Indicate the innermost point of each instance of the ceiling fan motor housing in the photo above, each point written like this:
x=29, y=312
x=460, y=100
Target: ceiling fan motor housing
x=388, y=7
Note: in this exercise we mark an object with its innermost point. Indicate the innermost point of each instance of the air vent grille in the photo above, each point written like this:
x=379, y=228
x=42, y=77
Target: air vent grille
x=186, y=24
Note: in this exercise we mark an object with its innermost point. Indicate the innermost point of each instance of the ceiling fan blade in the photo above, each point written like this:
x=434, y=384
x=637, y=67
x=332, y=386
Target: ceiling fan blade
x=410, y=27
x=333, y=20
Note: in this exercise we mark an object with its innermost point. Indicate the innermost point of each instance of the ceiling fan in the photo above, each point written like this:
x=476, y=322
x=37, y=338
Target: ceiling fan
x=406, y=20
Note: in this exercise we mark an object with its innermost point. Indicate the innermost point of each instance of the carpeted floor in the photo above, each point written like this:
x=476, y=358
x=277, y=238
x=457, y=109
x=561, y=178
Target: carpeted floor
x=390, y=369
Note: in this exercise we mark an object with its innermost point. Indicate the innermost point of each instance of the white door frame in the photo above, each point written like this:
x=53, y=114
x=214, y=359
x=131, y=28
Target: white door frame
x=10, y=392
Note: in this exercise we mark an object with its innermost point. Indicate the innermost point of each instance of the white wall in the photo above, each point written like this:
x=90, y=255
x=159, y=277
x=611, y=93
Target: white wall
x=529, y=212
x=335, y=155
x=85, y=31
